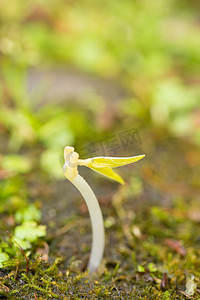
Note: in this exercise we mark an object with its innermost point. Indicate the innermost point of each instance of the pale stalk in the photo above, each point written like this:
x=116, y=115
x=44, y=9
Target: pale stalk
x=98, y=235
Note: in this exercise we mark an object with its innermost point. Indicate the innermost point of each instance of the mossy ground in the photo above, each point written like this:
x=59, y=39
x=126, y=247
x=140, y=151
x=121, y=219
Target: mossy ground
x=152, y=235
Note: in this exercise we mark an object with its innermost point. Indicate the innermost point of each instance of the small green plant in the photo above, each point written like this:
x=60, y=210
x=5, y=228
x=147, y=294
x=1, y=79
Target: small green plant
x=102, y=165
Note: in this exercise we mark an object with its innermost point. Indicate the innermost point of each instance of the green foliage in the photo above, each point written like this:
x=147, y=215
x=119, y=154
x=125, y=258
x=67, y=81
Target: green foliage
x=27, y=214
x=141, y=269
x=16, y=163
x=152, y=267
x=3, y=257
x=30, y=231
x=25, y=244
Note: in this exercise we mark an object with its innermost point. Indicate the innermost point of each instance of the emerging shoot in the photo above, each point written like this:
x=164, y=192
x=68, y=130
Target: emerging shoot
x=102, y=165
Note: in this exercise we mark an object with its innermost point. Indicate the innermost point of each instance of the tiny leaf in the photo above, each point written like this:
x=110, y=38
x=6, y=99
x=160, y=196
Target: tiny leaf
x=30, y=231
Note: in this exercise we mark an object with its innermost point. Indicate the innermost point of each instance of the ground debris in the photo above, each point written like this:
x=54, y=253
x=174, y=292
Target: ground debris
x=176, y=245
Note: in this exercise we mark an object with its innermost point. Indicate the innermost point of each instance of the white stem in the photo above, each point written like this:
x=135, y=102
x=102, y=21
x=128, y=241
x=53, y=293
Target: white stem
x=98, y=239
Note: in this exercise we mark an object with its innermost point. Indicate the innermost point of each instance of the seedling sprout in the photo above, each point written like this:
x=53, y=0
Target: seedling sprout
x=102, y=165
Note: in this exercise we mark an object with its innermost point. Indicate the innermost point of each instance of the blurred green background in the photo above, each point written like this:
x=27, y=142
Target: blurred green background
x=82, y=72
x=78, y=71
